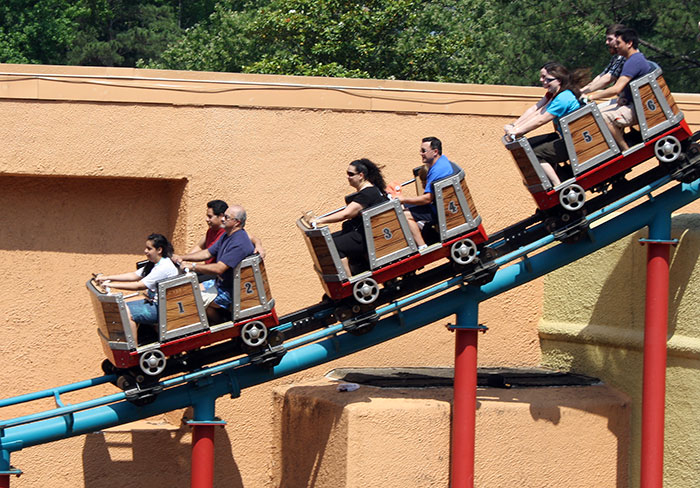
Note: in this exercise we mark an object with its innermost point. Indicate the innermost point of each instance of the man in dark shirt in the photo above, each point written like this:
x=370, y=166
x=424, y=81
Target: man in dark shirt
x=215, y=219
x=622, y=114
x=231, y=248
x=612, y=71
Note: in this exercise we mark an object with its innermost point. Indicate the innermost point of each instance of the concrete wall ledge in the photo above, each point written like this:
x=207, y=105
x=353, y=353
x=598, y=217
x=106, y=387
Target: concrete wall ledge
x=605, y=335
x=388, y=437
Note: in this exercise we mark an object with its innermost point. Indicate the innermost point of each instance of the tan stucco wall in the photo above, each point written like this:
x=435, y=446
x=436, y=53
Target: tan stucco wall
x=389, y=437
x=94, y=159
x=593, y=323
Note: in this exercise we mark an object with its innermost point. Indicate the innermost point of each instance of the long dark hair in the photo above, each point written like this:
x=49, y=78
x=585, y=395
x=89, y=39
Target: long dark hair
x=159, y=241
x=371, y=172
x=573, y=80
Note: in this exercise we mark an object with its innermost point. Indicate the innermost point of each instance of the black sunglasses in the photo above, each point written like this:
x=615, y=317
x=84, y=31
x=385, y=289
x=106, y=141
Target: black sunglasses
x=351, y=174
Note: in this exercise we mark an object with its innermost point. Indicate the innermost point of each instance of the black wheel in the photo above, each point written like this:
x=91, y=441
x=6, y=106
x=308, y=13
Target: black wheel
x=125, y=382
x=107, y=367
x=362, y=329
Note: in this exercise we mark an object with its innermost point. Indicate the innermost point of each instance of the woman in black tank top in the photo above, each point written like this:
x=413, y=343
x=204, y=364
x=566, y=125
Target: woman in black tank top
x=370, y=189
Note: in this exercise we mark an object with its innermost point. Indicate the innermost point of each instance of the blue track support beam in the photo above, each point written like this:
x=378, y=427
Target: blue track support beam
x=4, y=461
x=232, y=381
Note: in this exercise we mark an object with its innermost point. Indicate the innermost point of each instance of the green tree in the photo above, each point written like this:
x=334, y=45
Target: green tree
x=120, y=32
x=36, y=32
x=94, y=32
x=522, y=35
x=407, y=39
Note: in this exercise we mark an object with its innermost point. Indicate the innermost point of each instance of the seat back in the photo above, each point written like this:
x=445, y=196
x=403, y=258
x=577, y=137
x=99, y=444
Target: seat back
x=251, y=289
x=387, y=234
x=588, y=140
x=113, y=324
x=655, y=107
x=181, y=310
x=455, y=207
x=533, y=175
x=323, y=252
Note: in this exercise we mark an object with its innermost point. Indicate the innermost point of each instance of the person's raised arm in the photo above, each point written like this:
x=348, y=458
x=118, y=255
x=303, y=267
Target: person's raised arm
x=529, y=113
x=196, y=256
x=199, y=246
x=257, y=243
x=612, y=91
x=532, y=123
x=218, y=268
x=599, y=82
x=351, y=210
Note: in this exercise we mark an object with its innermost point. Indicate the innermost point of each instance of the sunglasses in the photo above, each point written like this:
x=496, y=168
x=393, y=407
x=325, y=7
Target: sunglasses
x=549, y=80
x=351, y=174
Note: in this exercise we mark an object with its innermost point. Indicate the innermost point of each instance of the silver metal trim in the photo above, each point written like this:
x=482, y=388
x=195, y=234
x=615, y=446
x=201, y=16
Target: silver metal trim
x=672, y=119
x=265, y=303
x=325, y=232
x=203, y=324
x=522, y=142
x=117, y=298
x=471, y=221
x=577, y=166
x=367, y=215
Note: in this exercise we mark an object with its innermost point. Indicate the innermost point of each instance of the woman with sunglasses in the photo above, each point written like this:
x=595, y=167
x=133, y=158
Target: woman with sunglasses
x=370, y=189
x=561, y=98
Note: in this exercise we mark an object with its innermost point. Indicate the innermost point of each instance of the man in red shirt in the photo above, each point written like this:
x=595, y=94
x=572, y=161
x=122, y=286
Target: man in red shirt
x=215, y=221
x=215, y=213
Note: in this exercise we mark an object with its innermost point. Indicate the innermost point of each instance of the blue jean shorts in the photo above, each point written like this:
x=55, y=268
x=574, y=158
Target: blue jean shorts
x=223, y=297
x=143, y=312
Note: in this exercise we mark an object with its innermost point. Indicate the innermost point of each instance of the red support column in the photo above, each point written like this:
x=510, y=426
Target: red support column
x=654, y=379
x=4, y=481
x=464, y=409
x=464, y=403
x=203, y=442
x=202, y=455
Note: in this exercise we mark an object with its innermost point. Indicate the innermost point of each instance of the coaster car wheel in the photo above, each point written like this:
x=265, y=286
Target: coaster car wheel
x=254, y=334
x=667, y=149
x=463, y=251
x=152, y=362
x=572, y=198
x=365, y=291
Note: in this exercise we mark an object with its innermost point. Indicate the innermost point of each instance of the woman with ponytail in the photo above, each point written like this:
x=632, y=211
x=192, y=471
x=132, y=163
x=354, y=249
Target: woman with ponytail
x=158, y=252
x=561, y=98
x=370, y=189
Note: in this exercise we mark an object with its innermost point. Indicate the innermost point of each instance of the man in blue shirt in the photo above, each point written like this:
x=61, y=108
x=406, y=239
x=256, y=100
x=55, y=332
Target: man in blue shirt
x=622, y=114
x=422, y=208
x=231, y=248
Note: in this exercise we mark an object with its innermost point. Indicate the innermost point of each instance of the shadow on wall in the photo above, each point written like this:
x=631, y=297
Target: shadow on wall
x=301, y=462
x=610, y=344
x=157, y=458
x=86, y=215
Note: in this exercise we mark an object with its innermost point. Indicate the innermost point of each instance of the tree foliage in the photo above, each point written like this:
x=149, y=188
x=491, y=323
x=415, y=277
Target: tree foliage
x=94, y=32
x=472, y=41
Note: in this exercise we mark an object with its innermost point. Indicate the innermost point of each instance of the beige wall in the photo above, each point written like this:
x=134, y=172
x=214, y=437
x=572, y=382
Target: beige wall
x=92, y=160
x=400, y=437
